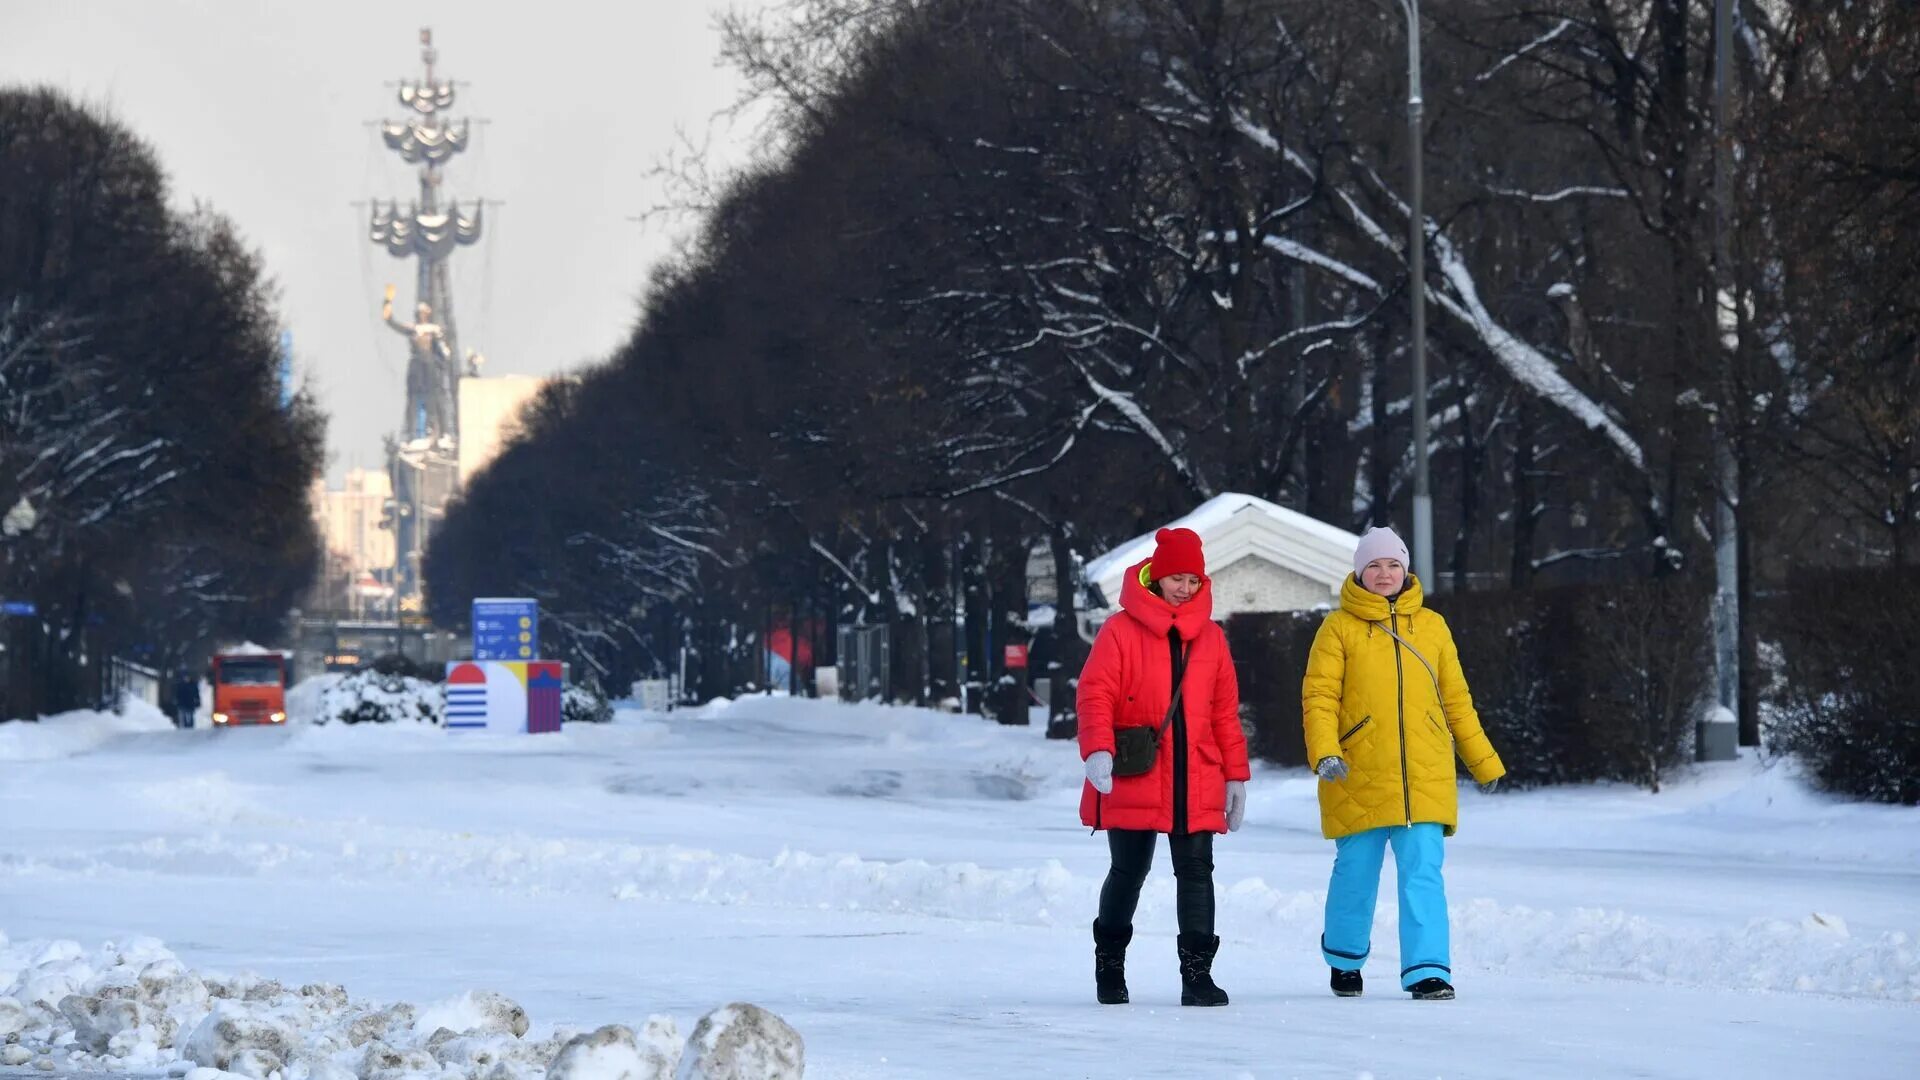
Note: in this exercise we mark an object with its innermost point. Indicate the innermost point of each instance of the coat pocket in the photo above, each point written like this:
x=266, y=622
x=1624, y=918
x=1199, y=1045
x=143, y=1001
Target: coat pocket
x=1355, y=729
x=1209, y=776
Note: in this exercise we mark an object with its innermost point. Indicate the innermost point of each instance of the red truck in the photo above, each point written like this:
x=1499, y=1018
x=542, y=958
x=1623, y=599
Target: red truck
x=248, y=688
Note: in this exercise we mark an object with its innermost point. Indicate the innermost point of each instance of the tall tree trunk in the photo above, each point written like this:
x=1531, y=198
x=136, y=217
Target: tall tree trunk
x=973, y=576
x=1069, y=653
x=1748, y=627
x=1007, y=608
x=936, y=558
x=1384, y=451
x=1327, y=457
x=1520, y=569
x=1471, y=453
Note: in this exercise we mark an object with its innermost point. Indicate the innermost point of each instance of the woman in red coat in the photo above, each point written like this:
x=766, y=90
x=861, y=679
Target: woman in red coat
x=1163, y=633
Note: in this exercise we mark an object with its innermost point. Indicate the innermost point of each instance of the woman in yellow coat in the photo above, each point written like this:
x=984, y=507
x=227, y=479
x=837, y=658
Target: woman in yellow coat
x=1386, y=710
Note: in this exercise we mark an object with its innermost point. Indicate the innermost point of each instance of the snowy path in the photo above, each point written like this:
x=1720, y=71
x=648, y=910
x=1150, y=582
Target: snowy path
x=911, y=891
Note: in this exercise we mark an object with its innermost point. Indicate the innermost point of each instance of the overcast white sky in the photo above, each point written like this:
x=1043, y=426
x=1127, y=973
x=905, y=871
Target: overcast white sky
x=260, y=107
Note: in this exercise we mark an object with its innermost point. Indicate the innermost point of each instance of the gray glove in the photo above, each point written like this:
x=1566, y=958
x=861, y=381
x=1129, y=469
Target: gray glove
x=1100, y=771
x=1490, y=786
x=1331, y=768
x=1236, y=803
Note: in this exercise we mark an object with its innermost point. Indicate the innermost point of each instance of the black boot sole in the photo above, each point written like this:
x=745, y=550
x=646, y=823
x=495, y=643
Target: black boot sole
x=1108, y=999
x=1189, y=999
x=1347, y=993
x=1436, y=995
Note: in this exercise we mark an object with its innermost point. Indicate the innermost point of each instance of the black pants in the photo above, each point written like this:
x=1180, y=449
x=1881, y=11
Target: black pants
x=1132, y=851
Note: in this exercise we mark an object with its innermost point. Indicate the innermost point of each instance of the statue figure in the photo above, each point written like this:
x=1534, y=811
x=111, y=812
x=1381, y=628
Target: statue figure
x=428, y=366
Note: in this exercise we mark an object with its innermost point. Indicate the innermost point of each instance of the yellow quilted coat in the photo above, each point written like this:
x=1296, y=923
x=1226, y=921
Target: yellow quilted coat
x=1367, y=699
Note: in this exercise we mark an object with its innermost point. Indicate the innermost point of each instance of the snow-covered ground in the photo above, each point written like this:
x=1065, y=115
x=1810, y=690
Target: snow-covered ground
x=911, y=891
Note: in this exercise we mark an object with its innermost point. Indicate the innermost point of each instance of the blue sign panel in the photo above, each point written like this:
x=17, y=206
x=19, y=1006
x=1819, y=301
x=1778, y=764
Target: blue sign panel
x=19, y=607
x=506, y=629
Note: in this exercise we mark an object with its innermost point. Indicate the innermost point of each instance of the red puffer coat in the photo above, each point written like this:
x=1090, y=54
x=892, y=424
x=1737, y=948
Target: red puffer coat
x=1128, y=681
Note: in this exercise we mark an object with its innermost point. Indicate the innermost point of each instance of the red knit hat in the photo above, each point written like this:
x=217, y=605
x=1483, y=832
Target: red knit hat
x=1177, y=551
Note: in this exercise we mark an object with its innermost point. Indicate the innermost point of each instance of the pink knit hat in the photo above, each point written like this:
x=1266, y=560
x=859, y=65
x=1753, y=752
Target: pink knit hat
x=1381, y=543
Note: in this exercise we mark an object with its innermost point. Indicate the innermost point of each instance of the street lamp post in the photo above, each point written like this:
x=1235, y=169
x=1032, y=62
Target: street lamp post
x=1417, y=285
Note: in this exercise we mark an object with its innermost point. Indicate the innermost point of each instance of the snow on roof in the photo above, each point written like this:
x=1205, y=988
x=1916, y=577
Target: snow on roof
x=248, y=648
x=1305, y=545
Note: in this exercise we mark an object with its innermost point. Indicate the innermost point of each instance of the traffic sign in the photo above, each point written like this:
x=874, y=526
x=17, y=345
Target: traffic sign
x=506, y=628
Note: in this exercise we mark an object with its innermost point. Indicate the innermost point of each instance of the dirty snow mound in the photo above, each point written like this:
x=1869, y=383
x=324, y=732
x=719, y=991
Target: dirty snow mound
x=614, y=1052
x=743, y=1042
x=134, y=1006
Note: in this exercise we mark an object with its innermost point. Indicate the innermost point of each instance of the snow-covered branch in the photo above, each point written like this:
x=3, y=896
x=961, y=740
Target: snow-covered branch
x=1578, y=191
x=853, y=579
x=1559, y=28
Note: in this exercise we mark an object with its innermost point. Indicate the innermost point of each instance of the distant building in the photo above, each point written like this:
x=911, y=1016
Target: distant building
x=358, y=576
x=490, y=410
x=349, y=519
x=1261, y=556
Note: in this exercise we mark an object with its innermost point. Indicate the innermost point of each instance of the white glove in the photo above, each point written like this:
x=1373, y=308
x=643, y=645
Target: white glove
x=1331, y=768
x=1236, y=803
x=1100, y=771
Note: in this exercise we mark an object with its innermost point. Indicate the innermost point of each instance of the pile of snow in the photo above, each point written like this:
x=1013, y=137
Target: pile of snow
x=136, y=1006
x=72, y=733
x=304, y=697
x=252, y=648
x=370, y=697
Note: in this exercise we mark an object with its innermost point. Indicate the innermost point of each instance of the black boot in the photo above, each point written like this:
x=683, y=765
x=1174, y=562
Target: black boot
x=1196, y=970
x=1346, y=983
x=1434, y=989
x=1110, y=963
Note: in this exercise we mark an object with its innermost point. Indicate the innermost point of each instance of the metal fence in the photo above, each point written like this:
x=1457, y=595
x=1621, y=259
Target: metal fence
x=126, y=679
x=865, y=655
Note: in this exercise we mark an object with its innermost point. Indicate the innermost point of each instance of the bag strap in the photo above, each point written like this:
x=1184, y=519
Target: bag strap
x=1417, y=656
x=1179, y=673
x=1430, y=673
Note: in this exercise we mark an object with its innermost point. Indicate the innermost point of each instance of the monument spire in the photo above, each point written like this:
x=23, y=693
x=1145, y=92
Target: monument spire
x=424, y=456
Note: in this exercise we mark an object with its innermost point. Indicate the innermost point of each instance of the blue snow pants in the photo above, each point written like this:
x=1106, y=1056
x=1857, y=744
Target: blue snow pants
x=1417, y=852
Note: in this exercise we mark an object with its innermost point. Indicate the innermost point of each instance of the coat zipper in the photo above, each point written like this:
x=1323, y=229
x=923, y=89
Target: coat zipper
x=1400, y=697
x=1179, y=653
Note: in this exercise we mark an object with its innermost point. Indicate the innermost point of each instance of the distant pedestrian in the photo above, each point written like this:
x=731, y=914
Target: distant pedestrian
x=1386, y=709
x=1158, y=761
x=186, y=698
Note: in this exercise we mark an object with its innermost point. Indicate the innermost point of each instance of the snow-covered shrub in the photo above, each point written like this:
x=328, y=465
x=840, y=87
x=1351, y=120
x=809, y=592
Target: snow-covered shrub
x=585, y=705
x=1845, y=703
x=371, y=697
